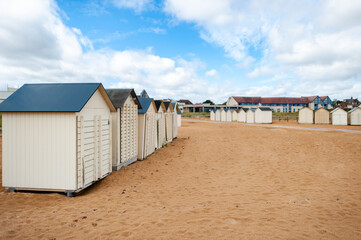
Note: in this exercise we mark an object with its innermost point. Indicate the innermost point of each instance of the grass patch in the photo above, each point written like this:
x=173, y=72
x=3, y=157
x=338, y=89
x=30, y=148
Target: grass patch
x=197, y=114
x=285, y=115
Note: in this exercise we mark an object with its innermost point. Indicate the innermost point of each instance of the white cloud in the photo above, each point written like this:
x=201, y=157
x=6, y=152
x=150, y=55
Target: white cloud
x=137, y=5
x=36, y=46
x=211, y=73
x=307, y=41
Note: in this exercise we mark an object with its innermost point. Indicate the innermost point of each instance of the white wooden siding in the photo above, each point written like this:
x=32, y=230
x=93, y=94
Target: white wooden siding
x=355, y=117
x=305, y=116
x=161, y=128
x=168, y=126
x=39, y=151
x=128, y=131
x=94, y=147
x=175, y=125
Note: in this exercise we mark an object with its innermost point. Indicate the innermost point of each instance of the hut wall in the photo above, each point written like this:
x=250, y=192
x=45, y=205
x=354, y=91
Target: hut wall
x=250, y=116
x=355, y=117
x=339, y=117
x=39, y=151
x=322, y=116
x=305, y=116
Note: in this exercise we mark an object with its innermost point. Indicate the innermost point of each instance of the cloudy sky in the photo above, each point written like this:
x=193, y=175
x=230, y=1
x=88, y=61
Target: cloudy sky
x=191, y=49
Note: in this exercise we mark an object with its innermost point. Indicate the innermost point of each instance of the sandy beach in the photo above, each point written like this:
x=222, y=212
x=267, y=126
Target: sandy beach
x=216, y=181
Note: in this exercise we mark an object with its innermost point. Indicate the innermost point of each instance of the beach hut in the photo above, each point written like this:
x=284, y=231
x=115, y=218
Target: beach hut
x=355, y=116
x=168, y=121
x=175, y=120
x=213, y=114
x=56, y=137
x=147, y=127
x=125, y=126
x=161, y=138
x=234, y=114
x=242, y=115
x=263, y=115
x=218, y=115
x=223, y=115
x=322, y=116
x=250, y=115
x=179, y=117
x=339, y=117
x=305, y=116
x=228, y=115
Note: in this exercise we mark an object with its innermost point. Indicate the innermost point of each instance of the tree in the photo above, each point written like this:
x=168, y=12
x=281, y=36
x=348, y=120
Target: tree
x=208, y=101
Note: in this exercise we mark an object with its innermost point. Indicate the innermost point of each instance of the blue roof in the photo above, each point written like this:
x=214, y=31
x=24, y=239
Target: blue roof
x=51, y=97
x=145, y=103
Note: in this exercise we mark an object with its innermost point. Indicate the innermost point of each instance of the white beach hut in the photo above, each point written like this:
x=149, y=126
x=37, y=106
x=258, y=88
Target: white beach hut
x=218, y=115
x=56, y=137
x=305, y=116
x=250, y=115
x=179, y=117
x=234, y=114
x=339, y=117
x=228, y=115
x=213, y=114
x=147, y=127
x=242, y=115
x=175, y=120
x=168, y=121
x=322, y=116
x=263, y=115
x=161, y=137
x=125, y=126
x=223, y=115
x=355, y=116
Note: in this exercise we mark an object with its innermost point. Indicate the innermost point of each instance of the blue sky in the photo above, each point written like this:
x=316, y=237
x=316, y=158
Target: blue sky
x=189, y=49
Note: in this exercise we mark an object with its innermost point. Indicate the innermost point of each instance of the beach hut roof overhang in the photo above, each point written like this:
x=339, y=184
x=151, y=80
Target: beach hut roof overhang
x=119, y=96
x=146, y=103
x=168, y=105
x=353, y=109
x=336, y=109
x=53, y=97
x=158, y=104
x=265, y=109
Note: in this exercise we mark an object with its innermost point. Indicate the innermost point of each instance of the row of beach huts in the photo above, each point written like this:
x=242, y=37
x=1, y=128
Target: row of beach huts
x=65, y=137
x=306, y=116
x=246, y=115
x=322, y=116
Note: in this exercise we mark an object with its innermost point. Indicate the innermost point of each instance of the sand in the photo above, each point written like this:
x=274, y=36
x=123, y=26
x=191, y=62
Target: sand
x=215, y=181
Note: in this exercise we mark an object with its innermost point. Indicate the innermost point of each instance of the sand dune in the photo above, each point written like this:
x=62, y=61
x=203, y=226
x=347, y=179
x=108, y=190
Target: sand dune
x=215, y=181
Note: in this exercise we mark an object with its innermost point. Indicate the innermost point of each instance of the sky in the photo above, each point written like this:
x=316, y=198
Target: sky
x=186, y=49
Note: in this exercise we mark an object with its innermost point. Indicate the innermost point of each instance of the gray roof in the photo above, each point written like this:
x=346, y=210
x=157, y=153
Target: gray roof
x=51, y=97
x=119, y=96
x=353, y=109
x=245, y=109
x=337, y=109
x=265, y=109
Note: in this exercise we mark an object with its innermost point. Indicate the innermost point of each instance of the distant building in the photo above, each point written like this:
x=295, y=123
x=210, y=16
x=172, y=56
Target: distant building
x=350, y=103
x=144, y=94
x=5, y=94
x=281, y=104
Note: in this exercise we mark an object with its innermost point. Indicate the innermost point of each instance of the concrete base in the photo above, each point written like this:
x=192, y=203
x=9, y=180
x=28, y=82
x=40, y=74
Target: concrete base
x=124, y=164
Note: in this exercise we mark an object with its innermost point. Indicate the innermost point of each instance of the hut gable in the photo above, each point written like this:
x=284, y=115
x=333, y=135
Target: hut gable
x=147, y=104
x=119, y=97
x=58, y=97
